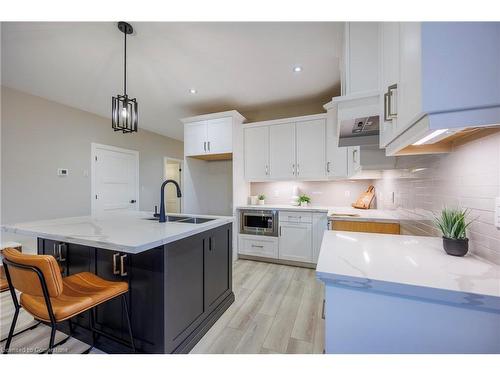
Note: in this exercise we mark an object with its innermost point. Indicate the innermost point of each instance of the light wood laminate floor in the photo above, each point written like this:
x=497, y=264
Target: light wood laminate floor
x=277, y=310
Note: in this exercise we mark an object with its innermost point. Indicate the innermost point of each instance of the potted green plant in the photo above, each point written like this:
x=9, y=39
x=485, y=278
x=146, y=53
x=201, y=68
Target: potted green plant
x=304, y=200
x=262, y=198
x=453, y=222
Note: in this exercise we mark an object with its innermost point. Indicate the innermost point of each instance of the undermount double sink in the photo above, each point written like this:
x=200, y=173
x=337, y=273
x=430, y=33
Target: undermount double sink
x=183, y=219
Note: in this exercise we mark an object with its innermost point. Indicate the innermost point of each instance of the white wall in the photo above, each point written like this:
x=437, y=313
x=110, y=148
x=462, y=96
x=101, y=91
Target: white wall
x=208, y=187
x=39, y=136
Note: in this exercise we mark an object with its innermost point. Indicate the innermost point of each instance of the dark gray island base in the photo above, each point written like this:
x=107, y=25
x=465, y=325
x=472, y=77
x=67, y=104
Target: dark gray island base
x=176, y=291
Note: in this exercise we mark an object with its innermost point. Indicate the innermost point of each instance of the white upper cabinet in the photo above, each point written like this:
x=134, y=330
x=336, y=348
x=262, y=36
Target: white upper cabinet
x=220, y=135
x=295, y=149
x=311, y=152
x=361, y=58
x=210, y=136
x=389, y=79
x=282, y=162
x=336, y=157
x=447, y=80
x=256, y=153
x=195, y=138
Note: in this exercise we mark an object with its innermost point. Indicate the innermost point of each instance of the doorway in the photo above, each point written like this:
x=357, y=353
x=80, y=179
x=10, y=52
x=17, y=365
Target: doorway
x=114, y=179
x=173, y=171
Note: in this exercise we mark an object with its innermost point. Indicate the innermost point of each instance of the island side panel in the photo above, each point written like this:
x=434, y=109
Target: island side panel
x=198, y=272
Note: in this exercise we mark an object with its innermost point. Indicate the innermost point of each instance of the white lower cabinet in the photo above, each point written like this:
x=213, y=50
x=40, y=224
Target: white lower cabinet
x=295, y=242
x=299, y=238
x=259, y=246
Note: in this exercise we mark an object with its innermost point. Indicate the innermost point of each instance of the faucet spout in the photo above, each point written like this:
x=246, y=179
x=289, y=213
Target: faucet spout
x=162, y=197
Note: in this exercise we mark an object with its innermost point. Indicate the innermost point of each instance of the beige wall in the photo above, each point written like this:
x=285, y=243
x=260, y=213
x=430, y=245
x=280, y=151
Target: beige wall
x=40, y=136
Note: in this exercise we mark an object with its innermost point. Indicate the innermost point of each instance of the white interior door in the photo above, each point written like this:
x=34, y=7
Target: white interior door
x=311, y=150
x=172, y=172
x=115, y=179
x=282, y=151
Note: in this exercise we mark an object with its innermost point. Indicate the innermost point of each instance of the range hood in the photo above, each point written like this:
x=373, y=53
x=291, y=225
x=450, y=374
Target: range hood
x=358, y=119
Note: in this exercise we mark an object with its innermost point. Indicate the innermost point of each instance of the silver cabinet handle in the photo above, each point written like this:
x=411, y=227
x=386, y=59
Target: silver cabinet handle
x=298, y=169
x=386, y=107
x=60, y=247
x=267, y=170
x=115, y=271
x=259, y=246
x=122, y=266
x=204, y=146
x=323, y=310
x=390, y=92
x=328, y=167
x=208, y=143
x=293, y=169
x=354, y=155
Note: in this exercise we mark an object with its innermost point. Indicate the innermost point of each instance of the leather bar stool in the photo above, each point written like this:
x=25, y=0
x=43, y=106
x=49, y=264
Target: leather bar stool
x=50, y=298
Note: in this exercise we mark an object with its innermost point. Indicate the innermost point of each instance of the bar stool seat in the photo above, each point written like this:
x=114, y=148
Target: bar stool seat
x=80, y=293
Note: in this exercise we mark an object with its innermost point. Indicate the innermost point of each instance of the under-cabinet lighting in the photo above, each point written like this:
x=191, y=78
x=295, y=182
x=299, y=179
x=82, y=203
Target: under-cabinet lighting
x=193, y=91
x=297, y=69
x=428, y=137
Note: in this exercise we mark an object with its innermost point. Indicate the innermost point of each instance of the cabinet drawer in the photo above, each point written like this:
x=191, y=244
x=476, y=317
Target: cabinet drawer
x=255, y=245
x=295, y=217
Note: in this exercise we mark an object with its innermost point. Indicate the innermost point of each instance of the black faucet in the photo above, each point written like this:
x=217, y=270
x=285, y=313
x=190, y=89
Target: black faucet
x=162, y=198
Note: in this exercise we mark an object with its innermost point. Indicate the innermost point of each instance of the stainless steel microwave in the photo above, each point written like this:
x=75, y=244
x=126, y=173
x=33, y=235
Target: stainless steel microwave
x=259, y=222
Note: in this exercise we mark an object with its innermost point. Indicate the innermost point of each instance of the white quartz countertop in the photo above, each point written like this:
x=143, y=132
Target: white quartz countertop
x=128, y=232
x=337, y=212
x=409, y=260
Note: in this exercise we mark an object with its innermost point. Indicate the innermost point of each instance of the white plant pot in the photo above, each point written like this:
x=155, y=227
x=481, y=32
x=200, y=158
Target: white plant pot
x=261, y=201
x=303, y=204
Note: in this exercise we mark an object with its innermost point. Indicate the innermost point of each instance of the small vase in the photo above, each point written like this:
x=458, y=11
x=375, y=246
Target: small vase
x=261, y=201
x=303, y=204
x=456, y=247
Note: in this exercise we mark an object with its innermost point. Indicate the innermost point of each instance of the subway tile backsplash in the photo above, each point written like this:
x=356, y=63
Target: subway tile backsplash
x=468, y=177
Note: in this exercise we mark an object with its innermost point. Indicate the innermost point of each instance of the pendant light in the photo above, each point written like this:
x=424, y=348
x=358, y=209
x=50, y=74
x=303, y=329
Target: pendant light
x=124, y=109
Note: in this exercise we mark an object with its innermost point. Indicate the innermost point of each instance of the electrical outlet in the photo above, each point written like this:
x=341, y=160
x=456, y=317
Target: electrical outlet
x=276, y=193
x=497, y=212
x=347, y=193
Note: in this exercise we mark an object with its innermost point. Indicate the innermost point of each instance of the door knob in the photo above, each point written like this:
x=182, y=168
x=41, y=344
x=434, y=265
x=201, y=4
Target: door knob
x=133, y=201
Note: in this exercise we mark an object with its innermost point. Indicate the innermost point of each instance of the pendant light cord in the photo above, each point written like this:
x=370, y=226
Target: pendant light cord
x=125, y=67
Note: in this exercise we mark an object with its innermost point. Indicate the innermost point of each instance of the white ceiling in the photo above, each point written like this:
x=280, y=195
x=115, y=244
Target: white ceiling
x=238, y=66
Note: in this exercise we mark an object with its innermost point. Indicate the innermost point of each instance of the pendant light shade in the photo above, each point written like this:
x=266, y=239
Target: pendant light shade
x=124, y=109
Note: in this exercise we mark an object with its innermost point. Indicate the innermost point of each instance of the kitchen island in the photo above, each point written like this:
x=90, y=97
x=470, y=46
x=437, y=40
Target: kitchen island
x=404, y=294
x=179, y=274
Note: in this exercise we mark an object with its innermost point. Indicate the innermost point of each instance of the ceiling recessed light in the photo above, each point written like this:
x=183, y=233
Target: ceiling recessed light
x=297, y=69
x=193, y=91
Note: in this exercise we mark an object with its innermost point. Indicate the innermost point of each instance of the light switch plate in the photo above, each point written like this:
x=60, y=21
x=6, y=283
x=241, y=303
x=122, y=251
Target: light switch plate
x=497, y=212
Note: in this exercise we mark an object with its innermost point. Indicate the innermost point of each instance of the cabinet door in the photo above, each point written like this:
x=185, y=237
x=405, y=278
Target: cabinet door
x=295, y=242
x=336, y=157
x=184, y=307
x=195, y=138
x=220, y=135
x=311, y=149
x=110, y=315
x=410, y=76
x=353, y=160
x=256, y=153
x=217, y=264
x=282, y=151
x=389, y=76
x=319, y=225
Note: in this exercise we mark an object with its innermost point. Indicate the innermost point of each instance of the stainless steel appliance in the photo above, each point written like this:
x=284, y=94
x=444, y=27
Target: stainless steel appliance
x=259, y=222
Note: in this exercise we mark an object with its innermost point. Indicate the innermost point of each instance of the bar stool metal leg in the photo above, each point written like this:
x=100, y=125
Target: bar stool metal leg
x=52, y=338
x=125, y=307
x=11, y=331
